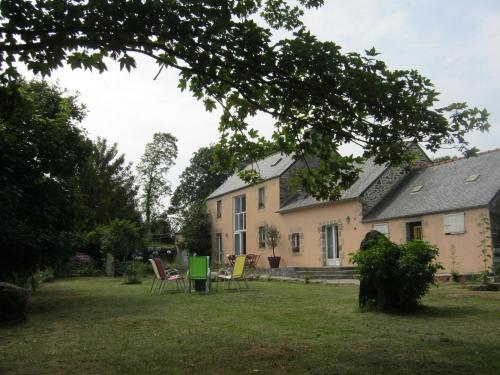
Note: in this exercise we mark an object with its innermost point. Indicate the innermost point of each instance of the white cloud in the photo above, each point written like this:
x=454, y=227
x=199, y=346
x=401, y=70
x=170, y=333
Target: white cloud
x=359, y=25
x=487, y=43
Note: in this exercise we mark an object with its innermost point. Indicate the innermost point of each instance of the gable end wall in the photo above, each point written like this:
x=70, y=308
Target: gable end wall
x=388, y=180
x=286, y=187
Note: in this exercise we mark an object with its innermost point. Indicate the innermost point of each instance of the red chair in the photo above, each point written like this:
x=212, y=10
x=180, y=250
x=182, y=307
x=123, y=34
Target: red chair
x=170, y=274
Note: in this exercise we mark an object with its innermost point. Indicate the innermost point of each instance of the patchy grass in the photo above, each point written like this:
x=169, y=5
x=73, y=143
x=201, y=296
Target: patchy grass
x=100, y=326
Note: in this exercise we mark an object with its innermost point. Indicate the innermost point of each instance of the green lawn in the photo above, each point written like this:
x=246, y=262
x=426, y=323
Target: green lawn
x=100, y=326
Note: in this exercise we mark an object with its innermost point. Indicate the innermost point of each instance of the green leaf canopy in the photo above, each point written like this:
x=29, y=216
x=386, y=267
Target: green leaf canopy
x=319, y=97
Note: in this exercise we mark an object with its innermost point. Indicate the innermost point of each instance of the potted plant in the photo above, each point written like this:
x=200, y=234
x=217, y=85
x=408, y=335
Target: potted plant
x=272, y=238
x=133, y=271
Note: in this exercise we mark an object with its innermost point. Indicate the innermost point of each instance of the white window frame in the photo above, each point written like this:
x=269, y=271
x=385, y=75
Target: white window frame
x=331, y=235
x=239, y=225
x=218, y=208
x=454, y=223
x=296, y=242
x=261, y=197
x=382, y=228
x=262, y=237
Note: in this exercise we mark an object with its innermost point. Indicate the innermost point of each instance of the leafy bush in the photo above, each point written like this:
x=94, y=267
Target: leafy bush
x=134, y=271
x=455, y=275
x=486, y=250
x=396, y=276
x=483, y=277
x=195, y=230
x=496, y=269
x=28, y=281
x=79, y=265
x=120, y=238
x=47, y=275
x=92, y=245
x=13, y=300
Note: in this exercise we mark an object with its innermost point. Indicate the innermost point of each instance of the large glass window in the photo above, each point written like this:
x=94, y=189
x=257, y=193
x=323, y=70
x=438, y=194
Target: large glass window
x=262, y=238
x=239, y=224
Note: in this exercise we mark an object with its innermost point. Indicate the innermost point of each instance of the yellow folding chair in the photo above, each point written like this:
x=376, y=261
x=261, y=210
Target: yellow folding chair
x=237, y=274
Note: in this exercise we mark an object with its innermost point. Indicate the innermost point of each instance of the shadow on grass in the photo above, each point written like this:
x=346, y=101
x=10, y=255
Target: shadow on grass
x=12, y=323
x=447, y=311
x=368, y=357
x=425, y=311
x=61, y=303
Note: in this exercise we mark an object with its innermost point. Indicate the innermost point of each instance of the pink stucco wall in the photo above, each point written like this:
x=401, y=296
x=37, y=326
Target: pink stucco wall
x=345, y=214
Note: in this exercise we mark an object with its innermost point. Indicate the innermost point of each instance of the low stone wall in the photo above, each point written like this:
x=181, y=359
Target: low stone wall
x=278, y=272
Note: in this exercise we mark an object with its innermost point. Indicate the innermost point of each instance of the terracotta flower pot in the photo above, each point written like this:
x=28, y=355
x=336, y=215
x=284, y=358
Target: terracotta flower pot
x=274, y=262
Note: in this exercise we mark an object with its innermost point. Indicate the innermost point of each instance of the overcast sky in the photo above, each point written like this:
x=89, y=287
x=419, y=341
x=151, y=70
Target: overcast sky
x=454, y=43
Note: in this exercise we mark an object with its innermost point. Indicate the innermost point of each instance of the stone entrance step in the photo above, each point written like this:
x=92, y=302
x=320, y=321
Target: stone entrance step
x=326, y=273
x=328, y=269
x=312, y=273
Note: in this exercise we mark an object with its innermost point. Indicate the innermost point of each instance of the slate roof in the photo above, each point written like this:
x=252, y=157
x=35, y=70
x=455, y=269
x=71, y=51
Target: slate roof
x=266, y=169
x=371, y=172
x=444, y=188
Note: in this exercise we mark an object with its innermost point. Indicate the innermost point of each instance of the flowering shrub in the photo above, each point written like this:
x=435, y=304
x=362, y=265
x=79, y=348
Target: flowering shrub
x=81, y=259
x=79, y=264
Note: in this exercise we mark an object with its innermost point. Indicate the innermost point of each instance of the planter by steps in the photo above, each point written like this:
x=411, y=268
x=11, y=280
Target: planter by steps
x=274, y=262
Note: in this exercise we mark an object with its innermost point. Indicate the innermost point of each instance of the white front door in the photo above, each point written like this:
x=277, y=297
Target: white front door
x=332, y=246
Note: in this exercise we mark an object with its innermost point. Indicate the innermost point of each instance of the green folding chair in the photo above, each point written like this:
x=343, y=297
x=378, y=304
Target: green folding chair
x=198, y=269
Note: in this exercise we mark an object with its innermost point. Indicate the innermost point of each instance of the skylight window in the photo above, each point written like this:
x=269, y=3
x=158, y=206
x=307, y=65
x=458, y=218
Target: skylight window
x=472, y=178
x=417, y=188
x=276, y=162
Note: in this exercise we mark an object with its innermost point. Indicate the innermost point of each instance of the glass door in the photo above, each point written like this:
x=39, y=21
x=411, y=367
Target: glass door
x=332, y=246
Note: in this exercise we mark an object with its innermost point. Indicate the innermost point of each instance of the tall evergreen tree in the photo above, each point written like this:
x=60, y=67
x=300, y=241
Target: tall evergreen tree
x=108, y=188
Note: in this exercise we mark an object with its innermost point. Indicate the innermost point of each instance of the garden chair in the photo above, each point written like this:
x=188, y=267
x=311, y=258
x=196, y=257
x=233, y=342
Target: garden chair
x=157, y=278
x=251, y=265
x=163, y=275
x=237, y=273
x=170, y=274
x=231, y=259
x=198, y=269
